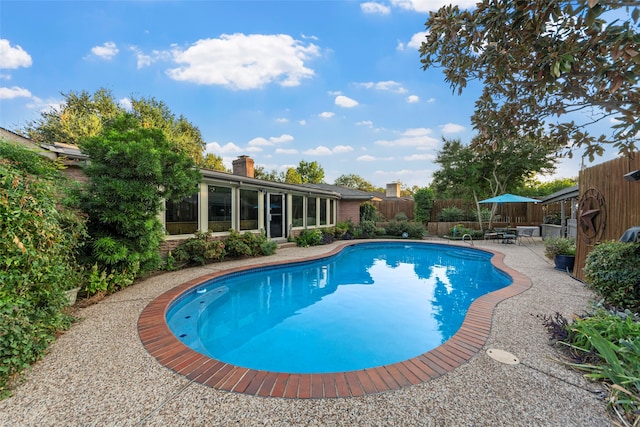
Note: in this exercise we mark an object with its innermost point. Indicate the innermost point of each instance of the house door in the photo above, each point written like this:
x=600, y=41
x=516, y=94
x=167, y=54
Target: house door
x=274, y=208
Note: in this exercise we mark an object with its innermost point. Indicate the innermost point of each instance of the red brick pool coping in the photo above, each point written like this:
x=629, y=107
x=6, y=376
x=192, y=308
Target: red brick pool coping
x=160, y=342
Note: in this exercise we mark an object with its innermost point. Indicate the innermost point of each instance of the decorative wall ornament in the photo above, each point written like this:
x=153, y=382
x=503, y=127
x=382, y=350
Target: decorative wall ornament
x=592, y=216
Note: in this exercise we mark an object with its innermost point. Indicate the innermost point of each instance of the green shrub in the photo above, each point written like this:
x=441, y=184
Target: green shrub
x=451, y=214
x=200, y=249
x=559, y=246
x=309, y=237
x=368, y=212
x=414, y=230
x=606, y=345
x=236, y=245
x=367, y=230
x=612, y=269
x=132, y=170
x=39, y=237
x=344, y=229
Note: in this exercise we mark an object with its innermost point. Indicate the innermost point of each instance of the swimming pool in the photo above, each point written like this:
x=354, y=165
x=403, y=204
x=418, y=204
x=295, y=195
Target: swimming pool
x=370, y=305
x=170, y=352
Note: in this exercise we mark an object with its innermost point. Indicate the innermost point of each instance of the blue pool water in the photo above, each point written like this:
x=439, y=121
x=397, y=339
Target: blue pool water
x=370, y=305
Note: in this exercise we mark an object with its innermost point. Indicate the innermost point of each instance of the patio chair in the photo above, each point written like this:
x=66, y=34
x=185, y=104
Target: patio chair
x=525, y=233
x=491, y=235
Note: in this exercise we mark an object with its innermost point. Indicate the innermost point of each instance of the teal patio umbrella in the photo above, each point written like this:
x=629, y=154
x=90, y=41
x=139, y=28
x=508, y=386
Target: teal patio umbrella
x=509, y=198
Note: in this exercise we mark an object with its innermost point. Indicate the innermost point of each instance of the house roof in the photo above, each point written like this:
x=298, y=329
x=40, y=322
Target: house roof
x=239, y=180
x=564, y=194
x=345, y=192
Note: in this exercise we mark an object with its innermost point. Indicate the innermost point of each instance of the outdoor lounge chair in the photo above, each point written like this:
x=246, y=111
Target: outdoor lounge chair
x=525, y=233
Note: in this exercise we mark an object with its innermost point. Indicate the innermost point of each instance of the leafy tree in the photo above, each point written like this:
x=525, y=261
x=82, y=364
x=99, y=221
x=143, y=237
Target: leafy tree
x=132, y=170
x=473, y=173
x=156, y=114
x=292, y=177
x=260, y=172
x=80, y=115
x=354, y=181
x=84, y=115
x=214, y=163
x=535, y=188
x=310, y=172
x=542, y=59
x=423, y=202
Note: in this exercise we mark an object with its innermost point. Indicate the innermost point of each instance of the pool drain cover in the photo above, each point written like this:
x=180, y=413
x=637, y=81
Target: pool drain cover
x=503, y=356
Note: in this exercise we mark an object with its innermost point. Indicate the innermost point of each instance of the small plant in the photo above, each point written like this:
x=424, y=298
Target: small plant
x=451, y=214
x=367, y=229
x=309, y=237
x=200, y=249
x=559, y=246
x=344, y=229
x=612, y=269
x=236, y=245
x=606, y=345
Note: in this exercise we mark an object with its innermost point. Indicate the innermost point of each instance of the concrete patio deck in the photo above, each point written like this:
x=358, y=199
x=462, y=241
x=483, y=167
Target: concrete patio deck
x=99, y=373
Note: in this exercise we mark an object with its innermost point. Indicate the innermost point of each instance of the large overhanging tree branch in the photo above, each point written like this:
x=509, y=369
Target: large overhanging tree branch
x=540, y=62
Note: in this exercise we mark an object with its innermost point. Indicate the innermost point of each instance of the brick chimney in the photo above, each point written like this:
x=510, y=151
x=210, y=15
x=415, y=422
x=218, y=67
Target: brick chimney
x=243, y=166
x=393, y=189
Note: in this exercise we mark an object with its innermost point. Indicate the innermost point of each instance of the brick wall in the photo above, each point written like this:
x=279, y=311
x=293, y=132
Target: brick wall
x=349, y=209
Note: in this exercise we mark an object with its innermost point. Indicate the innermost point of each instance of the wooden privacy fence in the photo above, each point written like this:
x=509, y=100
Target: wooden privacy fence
x=607, y=206
x=391, y=207
x=517, y=213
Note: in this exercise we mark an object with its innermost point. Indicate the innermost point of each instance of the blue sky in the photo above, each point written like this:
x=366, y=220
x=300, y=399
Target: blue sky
x=338, y=82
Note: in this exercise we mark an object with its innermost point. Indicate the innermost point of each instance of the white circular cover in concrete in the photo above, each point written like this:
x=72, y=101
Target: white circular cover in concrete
x=503, y=356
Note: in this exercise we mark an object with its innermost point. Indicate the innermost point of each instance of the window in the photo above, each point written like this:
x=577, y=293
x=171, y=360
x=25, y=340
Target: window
x=248, y=210
x=219, y=208
x=181, y=217
x=311, y=211
x=323, y=211
x=297, y=211
x=332, y=214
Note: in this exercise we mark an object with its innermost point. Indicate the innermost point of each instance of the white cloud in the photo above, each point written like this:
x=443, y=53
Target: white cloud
x=419, y=157
x=145, y=60
x=280, y=139
x=389, y=85
x=282, y=120
x=302, y=122
x=260, y=141
x=412, y=99
x=126, y=104
x=107, y=51
x=14, y=92
x=375, y=8
x=365, y=123
x=326, y=114
x=13, y=57
x=346, y=102
x=431, y=5
x=342, y=149
x=418, y=137
x=273, y=140
x=321, y=150
x=215, y=148
x=286, y=151
x=366, y=158
x=415, y=42
x=241, y=61
x=452, y=128
x=431, y=100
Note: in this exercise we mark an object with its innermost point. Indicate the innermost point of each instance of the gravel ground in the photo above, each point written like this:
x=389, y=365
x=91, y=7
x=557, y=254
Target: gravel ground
x=99, y=374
